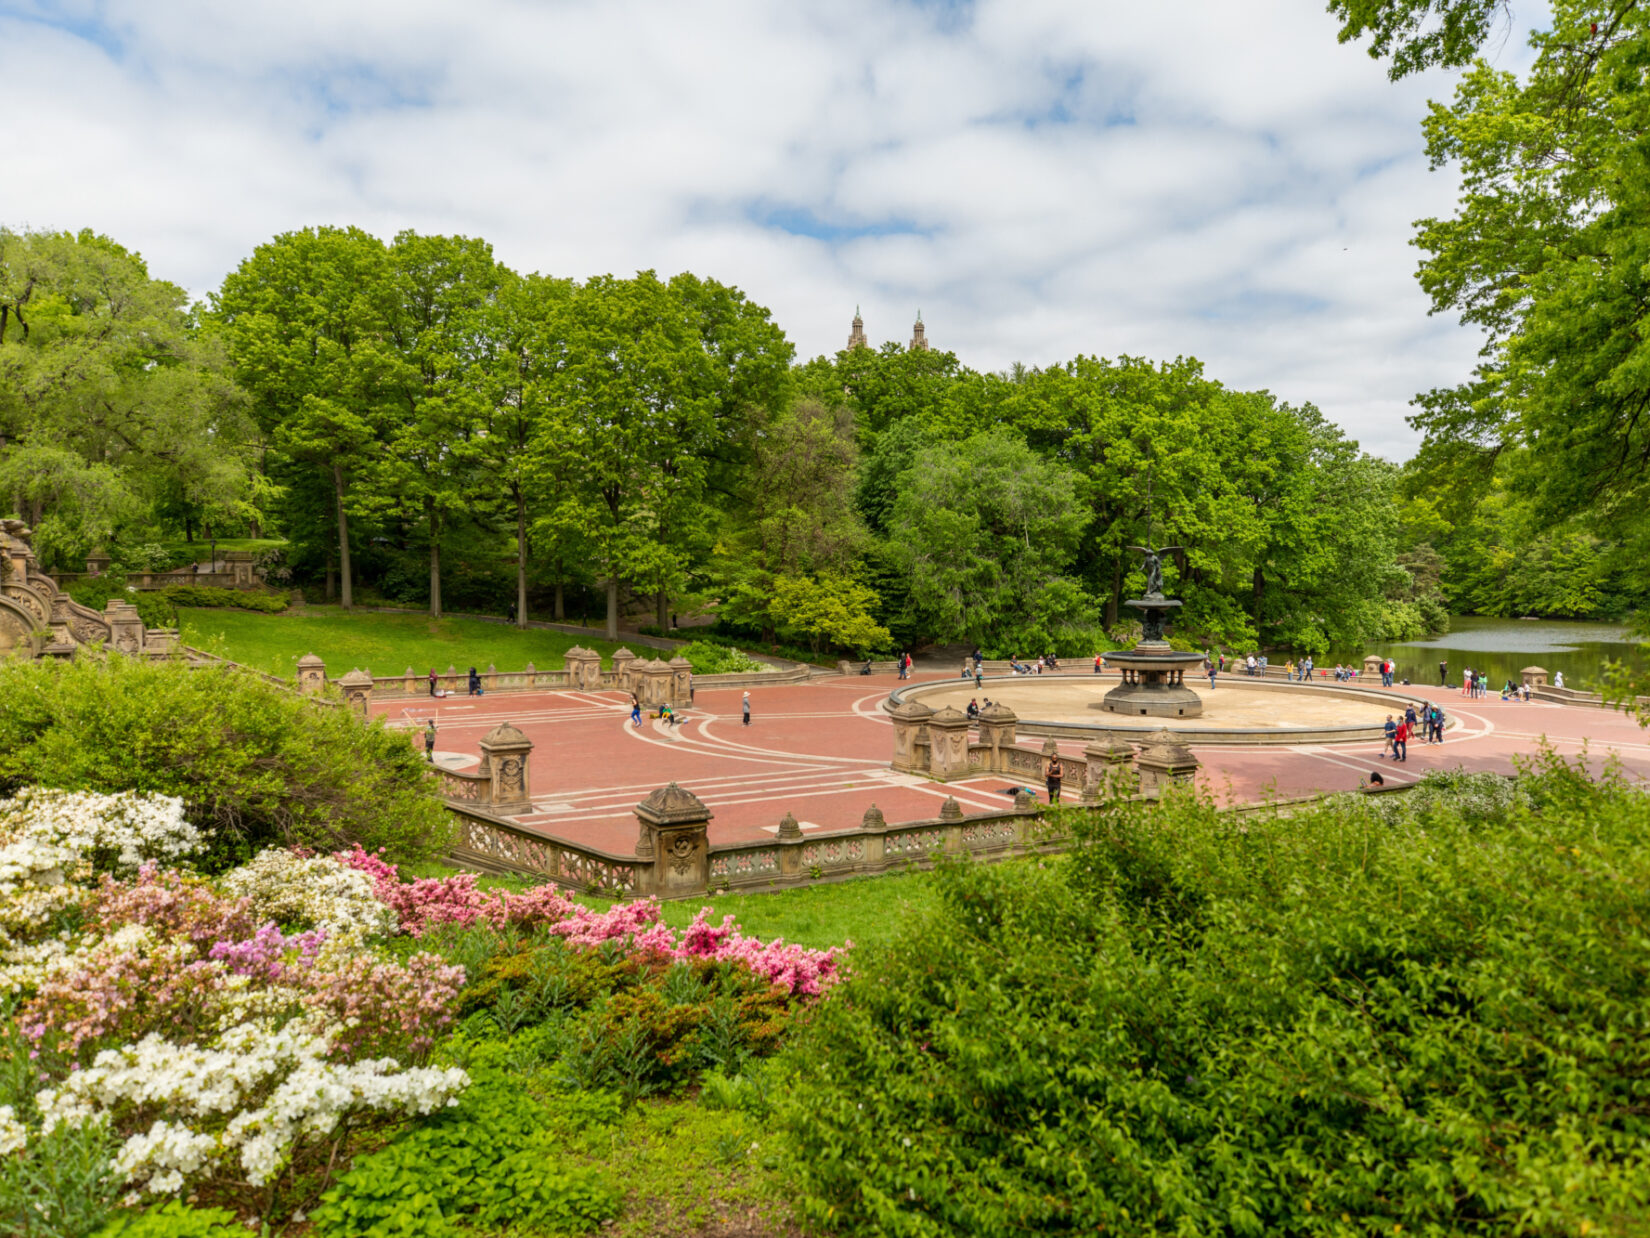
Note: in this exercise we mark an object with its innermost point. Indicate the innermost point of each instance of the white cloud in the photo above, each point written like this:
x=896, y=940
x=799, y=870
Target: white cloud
x=1059, y=176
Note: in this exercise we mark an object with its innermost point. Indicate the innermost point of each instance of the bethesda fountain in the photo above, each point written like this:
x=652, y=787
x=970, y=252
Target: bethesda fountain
x=1154, y=675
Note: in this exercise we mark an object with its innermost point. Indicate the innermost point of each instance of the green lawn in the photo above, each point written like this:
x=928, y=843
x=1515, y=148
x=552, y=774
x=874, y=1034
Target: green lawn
x=387, y=644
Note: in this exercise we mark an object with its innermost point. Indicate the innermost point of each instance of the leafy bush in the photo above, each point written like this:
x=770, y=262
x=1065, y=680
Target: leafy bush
x=711, y=659
x=61, y=1185
x=254, y=764
x=175, y=1220
x=489, y=1162
x=1349, y=1020
x=153, y=606
x=238, y=599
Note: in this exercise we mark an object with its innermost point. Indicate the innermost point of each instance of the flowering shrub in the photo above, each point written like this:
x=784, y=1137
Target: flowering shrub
x=251, y=1096
x=316, y=891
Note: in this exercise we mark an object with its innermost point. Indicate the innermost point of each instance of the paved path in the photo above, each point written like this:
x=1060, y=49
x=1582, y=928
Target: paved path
x=821, y=750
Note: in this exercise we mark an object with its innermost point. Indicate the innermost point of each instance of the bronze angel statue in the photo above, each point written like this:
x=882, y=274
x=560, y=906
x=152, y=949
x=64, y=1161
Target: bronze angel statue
x=1154, y=567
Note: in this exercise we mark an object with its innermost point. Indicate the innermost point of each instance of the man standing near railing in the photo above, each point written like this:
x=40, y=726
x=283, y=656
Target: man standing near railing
x=429, y=740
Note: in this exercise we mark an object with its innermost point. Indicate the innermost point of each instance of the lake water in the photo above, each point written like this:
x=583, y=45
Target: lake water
x=1502, y=648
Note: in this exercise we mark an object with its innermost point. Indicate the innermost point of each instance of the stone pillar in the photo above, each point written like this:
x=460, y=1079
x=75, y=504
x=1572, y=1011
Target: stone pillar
x=948, y=744
x=239, y=564
x=1108, y=768
x=312, y=675
x=911, y=736
x=997, y=722
x=532, y=676
x=584, y=668
x=489, y=678
x=681, y=673
x=1372, y=665
x=504, y=753
x=675, y=822
x=125, y=628
x=650, y=682
x=790, y=846
x=875, y=827
x=622, y=661
x=1163, y=762
x=97, y=563
x=357, y=689
x=160, y=642
x=1534, y=676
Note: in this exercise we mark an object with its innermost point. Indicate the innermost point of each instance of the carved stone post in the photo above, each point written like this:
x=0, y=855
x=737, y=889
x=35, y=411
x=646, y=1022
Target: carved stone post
x=997, y=722
x=1108, y=768
x=622, y=660
x=911, y=736
x=1163, y=762
x=681, y=674
x=1372, y=665
x=125, y=628
x=504, y=753
x=312, y=675
x=357, y=688
x=948, y=744
x=675, y=821
x=1534, y=676
x=790, y=846
x=875, y=826
x=651, y=680
x=584, y=668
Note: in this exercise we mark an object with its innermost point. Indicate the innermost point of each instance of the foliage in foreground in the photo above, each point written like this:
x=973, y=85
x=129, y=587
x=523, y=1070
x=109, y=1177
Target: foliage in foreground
x=1327, y=1023
x=254, y=764
x=236, y=1041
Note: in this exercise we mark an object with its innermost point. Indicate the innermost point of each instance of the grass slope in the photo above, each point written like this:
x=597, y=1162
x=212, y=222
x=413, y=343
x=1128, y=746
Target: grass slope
x=387, y=644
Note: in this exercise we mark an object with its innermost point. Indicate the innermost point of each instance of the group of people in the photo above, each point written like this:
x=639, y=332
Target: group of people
x=1428, y=720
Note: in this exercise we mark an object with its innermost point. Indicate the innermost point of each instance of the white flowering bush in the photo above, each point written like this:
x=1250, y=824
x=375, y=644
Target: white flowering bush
x=313, y=891
x=241, y=1104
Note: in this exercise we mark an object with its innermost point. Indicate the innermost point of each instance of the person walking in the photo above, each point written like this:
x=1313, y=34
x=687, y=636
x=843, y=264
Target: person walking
x=1437, y=720
x=745, y=706
x=1053, y=775
x=690, y=688
x=1411, y=719
x=904, y=663
x=1391, y=730
x=1386, y=672
x=1212, y=668
x=635, y=710
x=1099, y=663
x=429, y=740
x=432, y=681
x=1400, y=742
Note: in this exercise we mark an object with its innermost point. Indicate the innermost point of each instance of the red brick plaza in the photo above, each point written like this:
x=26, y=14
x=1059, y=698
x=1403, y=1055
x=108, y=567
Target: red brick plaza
x=821, y=751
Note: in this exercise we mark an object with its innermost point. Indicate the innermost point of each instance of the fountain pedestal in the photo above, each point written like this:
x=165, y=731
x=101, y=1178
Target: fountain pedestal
x=1154, y=675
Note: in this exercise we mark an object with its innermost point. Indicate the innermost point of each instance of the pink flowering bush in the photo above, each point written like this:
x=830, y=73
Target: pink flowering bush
x=385, y=1007
x=269, y=954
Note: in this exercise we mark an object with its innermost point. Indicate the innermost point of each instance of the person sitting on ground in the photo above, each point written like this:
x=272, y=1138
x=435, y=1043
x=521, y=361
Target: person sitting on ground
x=1375, y=779
x=475, y=682
x=866, y=669
x=973, y=709
x=1053, y=663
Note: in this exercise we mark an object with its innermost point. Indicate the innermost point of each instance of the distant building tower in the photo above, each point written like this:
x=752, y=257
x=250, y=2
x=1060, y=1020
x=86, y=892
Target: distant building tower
x=856, y=337
x=918, y=339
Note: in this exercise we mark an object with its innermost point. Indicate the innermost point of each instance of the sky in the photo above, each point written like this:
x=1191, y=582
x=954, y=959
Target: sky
x=1040, y=178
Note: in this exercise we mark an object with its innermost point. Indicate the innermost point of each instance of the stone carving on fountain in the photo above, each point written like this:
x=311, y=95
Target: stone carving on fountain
x=1154, y=675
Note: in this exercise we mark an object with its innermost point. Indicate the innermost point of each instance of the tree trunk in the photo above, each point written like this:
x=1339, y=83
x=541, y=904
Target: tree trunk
x=561, y=610
x=612, y=608
x=1115, y=598
x=1260, y=593
x=663, y=610
x=332, y=579
x=255, y=529
x=435, y=558
x=188, y=529
x=345, y=584
x=521, y=561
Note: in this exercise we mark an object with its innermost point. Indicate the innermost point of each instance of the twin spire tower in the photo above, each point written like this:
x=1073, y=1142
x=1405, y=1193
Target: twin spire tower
x=856, y=335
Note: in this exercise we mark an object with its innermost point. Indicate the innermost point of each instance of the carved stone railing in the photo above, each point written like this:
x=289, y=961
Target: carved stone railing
x=493, y=844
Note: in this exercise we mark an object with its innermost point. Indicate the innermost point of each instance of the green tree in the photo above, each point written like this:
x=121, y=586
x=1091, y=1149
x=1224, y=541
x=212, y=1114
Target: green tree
x=111, y=406
x=985, y=531
x=1421, y=34
x=306, y=321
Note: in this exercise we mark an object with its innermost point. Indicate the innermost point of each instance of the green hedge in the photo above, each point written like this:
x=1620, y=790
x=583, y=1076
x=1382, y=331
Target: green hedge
x=238, y=599
x=153, y=607
x=1353, y=1020
x=255, y=764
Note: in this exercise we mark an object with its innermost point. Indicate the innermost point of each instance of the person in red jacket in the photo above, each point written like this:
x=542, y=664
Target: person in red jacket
x=1400, y=741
